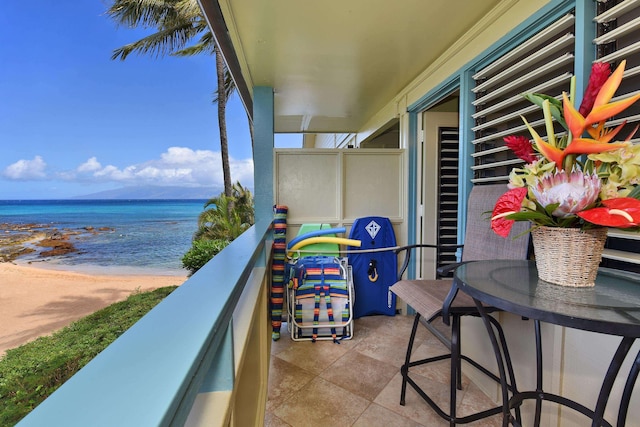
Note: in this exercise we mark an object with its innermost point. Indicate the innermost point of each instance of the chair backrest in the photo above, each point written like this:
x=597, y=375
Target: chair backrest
x=480, y=241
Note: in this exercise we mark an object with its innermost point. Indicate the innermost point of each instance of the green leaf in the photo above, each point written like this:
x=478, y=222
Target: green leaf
x=568, y=222
x=555, y=106
x=539, y=98
x=549, y=208
x=635, y=193
x=533, y=216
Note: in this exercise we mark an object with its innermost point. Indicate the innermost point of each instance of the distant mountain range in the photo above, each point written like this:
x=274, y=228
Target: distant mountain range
x=154, y=192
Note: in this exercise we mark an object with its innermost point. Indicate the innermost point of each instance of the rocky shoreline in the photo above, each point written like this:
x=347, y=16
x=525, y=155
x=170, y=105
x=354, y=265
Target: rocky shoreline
x=41, y=240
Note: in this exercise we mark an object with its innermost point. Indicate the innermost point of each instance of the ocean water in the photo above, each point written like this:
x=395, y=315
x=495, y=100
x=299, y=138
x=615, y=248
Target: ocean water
x=147, y=236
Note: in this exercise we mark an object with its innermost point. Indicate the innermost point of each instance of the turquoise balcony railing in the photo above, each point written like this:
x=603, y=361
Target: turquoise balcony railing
x=192, y=360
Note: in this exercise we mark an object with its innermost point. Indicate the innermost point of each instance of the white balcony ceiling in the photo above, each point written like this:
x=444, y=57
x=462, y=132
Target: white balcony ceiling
x=335, y=63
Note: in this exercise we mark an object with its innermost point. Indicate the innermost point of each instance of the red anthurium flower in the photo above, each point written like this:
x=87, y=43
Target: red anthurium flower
x=600, y=72
x=521, y=146
x=623, y=212
x=622, y=203
x=509, y=203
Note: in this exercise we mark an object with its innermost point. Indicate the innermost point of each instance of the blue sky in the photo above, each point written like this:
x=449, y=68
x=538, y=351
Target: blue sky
x=75, y=122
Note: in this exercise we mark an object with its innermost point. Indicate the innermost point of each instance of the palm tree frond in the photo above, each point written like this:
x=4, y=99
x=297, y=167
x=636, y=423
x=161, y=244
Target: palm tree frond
x=157, y=44
x=192, y=50
x=144, y=13
x=188, y=8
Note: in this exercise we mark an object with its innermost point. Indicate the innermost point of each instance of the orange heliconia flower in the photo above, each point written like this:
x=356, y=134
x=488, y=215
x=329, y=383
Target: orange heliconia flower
x=602, y=110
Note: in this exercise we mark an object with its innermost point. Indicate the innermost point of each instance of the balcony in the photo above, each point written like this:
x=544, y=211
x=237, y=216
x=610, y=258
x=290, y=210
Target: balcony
x=201, y=357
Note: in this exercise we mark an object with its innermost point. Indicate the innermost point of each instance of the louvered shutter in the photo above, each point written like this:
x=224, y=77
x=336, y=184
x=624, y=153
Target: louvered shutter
x=544, y=64
x=448, y=139
x=617, y=38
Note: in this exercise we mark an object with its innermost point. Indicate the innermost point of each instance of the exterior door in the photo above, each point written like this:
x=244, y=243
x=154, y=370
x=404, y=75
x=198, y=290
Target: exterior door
x=438, y=189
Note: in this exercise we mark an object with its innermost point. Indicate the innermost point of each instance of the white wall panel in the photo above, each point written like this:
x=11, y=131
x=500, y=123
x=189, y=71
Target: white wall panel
x=338, y=186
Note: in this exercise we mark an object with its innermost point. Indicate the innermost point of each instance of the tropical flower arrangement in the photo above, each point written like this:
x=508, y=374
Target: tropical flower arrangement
x=580, y=178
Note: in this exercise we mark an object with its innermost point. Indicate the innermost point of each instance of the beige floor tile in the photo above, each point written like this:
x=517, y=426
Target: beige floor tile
x=360, y=374
x=285, y=380
x=313, y=357
x=439, y=371
x=399, y=326
x=283, y=343
x=370, y=322
x=360, y=332
x=271, y=420
x=377, y=416
x=385, y=348
x=321, y=403
x=474, y=400
x=415, y=408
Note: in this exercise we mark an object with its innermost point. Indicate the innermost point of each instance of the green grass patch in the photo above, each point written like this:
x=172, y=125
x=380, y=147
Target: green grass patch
x=31, y=372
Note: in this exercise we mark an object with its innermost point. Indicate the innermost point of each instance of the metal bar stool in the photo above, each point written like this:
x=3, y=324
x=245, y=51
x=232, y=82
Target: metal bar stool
x=439, y=299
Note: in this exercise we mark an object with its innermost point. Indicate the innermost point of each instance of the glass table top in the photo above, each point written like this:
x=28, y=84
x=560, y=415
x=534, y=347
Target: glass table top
x=611, y=307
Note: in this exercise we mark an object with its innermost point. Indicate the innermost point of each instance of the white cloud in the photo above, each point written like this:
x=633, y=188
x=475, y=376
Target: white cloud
x=242, y=171
x=90, y=165
x=26, y=170
x=184, y=155
x=178, y=166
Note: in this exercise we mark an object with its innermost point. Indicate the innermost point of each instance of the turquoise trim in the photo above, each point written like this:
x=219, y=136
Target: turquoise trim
x=221, y=374
x=262, y=260
x=585, y=50
x=263, y=172
x=465, y=161
x=436, y=95
x=412, y=204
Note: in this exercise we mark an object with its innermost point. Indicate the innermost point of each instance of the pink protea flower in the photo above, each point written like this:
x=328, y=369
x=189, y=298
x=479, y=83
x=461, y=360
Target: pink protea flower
x=522, y=146
x=600, y=72
x=574, y=192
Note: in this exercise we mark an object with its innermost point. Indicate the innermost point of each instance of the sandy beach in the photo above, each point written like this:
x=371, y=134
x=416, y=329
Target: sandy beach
x=35, y=301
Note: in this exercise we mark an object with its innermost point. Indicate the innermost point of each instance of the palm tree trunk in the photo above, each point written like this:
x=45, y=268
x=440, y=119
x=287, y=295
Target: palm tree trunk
x=222, y=123
x=250, y=132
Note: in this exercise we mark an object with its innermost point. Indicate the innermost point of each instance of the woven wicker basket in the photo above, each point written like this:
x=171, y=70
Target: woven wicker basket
x=568, y=256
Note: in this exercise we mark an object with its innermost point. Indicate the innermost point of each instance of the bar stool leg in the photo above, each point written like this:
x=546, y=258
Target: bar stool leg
x=538, y=412
x=509, y=365
x=404, y=370
x=456, y=374
x=506, y=415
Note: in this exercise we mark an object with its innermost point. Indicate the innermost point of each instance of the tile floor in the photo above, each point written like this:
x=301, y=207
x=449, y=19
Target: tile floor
x=357, y=383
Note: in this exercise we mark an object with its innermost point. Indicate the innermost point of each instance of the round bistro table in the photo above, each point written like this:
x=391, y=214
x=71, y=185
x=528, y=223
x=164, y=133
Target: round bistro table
x=611, y=307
